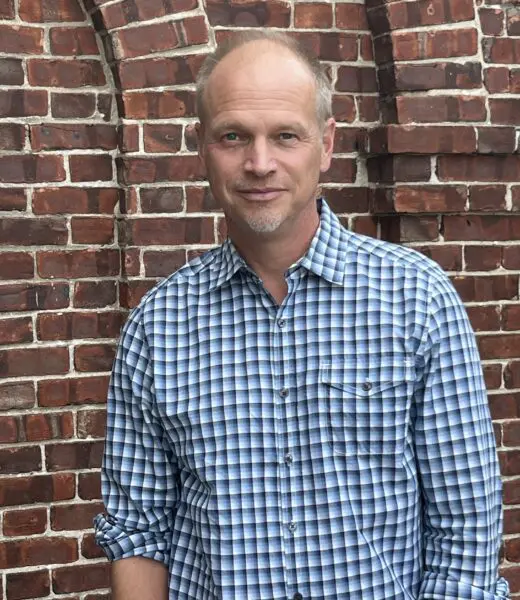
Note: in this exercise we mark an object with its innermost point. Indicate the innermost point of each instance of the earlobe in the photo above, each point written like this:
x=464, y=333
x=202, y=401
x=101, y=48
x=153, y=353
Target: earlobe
x=327, y=144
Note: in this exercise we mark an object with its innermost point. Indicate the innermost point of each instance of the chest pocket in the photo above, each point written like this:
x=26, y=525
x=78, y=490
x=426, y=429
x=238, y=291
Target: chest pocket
x=367, y=412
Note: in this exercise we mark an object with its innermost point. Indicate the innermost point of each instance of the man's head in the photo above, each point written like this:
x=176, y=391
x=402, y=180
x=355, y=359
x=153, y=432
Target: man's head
x=265, y=132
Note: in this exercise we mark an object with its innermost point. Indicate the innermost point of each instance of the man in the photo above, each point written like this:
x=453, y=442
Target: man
x=300, y=413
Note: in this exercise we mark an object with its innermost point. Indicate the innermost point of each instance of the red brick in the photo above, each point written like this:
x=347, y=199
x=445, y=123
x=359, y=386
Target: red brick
x=492, y=372
x=491, y=21
x=65, y=73
x=74, y=391
x=12, y=137
x=249, y=13
x=512, y=550
x=33, y=232
x=74, y=455
x=487, y=197
x=356, y=79
x=131, y=292
x=21, y=40
x=33, y=361
x=94, y=358
x=147, y=39
x=50, y=10
x=439, y=75
x=396, y=139
x=509, y=465
x=22, y=103
x=7, y=10
x=16, y=395
x=12, y=199
x=28, y=585
x=94, y=294
x=513, y=21
x=72, y=105
x=157, y=72
x=434, y=44
x=77, y=136
x=482, y=258
x=496, y=79
x=512, y=374
x=16, y=331
x=70, y=200
x=18, y=460
x=163, y=263
x=74, y=516
x=313, y=15
x=38, y=551
x=78, y=325
x=512, y=576
x=25, y=522
x=420, y=199
x=482, y=227
x=162, y=138
x=448, y=257
x=73, y=41
x=36, y=488
x=49, y=427
x=26, y=296
x=511, y=318
x=349, y=139
x=486, y=288
x=161, y=200
x=344, y=108
x=499, y=346
x=29, y=168
x=515, y=193
x=91, y=423
x=95, y=167
x=436, y=109
x=511, y=492
x=164, y=231
x=390, y=169
x=479, y=168
x=129, y=138
x=194, y=30
x=511, y=257
x=80, y=578
x=502, y=50
x=158, y=105
x=78, y=263
x=92, y=230
x=351, y=16
x=89, y=486
x=409, y=229
x=163, y=168
x=504, y=406
x=11, y=73
x=131, y=11
x=89, y=548
x=505, y=111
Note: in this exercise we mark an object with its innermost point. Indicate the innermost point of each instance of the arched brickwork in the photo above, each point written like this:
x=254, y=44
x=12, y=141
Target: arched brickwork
x=99, y=164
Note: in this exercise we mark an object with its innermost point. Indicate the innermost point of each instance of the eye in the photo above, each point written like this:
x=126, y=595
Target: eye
x=231, y=136
x=287, y=136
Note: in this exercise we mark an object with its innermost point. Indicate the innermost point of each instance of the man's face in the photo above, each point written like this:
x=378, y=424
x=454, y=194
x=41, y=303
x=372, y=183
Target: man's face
x=261, y=143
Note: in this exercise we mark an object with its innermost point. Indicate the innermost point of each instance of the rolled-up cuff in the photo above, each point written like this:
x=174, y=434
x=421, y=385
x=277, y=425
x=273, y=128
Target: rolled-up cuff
x=117, y=542
x=437, y=587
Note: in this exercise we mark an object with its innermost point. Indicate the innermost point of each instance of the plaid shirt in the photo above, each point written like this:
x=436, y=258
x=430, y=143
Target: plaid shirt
x=336, y=446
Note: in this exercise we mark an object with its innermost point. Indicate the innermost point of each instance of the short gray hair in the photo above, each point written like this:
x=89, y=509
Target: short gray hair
x=319, y=71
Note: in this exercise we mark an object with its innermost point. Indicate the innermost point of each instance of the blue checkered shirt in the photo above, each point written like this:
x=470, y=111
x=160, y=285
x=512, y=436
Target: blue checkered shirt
x=338, y=446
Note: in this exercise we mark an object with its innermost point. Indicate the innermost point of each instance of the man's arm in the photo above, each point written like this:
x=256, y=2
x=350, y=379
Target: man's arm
x=139, y=475
x=139, y=579
x=456, y=459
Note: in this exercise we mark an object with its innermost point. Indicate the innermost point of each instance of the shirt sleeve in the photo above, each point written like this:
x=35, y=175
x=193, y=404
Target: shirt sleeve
x=139, y=474
x=457, y=462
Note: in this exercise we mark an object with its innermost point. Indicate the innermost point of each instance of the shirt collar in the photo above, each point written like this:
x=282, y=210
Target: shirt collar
x=325, y=256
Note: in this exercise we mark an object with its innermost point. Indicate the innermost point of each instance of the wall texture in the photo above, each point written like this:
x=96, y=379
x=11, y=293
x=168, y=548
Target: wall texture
x=101, y=194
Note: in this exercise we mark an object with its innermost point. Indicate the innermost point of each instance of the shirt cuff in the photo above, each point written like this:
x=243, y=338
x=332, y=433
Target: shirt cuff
x=116, y=542
x=437, y=587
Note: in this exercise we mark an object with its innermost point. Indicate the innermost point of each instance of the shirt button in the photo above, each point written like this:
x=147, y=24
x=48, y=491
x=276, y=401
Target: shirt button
x=367, y=386
x=289, y=458
x=297, y=596
x=281, y=323
x=284, y=392
x=292, y=526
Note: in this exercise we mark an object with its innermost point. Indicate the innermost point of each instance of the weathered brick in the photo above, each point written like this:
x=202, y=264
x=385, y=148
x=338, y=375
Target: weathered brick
x=73, y=41
x=74, y=455
x=25, y=522
x=479, y=168
x=496, y=79
x=78, y=263
x=344, y=108
x=162, y=263
x=487, y=318
x=38, y=551
x=129, y=137
x=37, y=296
x=33, y=231
x=511, y=321
x=16, y=331
x=389, y=169
x=92, y=230
x=50, y=10
x=164, y=231
x=148, y=39
x=91, y=423
x=163, y=168
x=69, y=200
x=440, y=75
x=94, y=167
x=12, y=137
x=27, y=585
x=89, y=547
x=356, y=79
x=11, y=73
x=94, y=357
x=72, y=105
x=482, y=258
x=193, y=30
x=156, y=72
x=158, y=105
x=409, y=229
x=15, y=39
x=36, y=488
x=31, y=168
x=130, y=292
x=131, y=11
x=65, y=73
x=499, y=346
x=511, y=257
x=77, y=136
x=7, y=10
x=161, y=200
x=436, y=109
x=491, y=21
x=19, y=460
x=502, y=50
x=79, y=325
x=418, y=139
x=12, y=199
x=249, y=13
x=162, y=138
x=33, y=361
x=487, y=197
x=89, y=486
x=446, y=43
x=80, y=578
x=505, y=111
x=420, y=199
x=482, y=227
x=313, y=15
x=497, y=140
x=78, y=390
x=74, y=516
x=351, y=16
x=448, y=257
x=17, y=395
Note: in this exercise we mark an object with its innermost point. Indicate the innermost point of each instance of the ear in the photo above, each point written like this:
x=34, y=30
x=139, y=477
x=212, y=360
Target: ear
x=199, y=130
x=327, y=144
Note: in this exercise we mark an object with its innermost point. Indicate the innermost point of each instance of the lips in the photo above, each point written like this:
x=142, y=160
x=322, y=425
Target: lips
x=267, y=193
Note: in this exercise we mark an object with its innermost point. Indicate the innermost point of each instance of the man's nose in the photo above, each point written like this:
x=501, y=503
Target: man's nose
x=259, y=158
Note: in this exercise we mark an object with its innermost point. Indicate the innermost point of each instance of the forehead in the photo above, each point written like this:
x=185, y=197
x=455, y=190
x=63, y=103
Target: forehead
x=260, y=76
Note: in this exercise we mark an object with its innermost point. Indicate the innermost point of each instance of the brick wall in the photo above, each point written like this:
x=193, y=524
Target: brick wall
x=101, y=194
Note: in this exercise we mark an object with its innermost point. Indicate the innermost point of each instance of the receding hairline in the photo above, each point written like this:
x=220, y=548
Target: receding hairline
x=318, y=72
